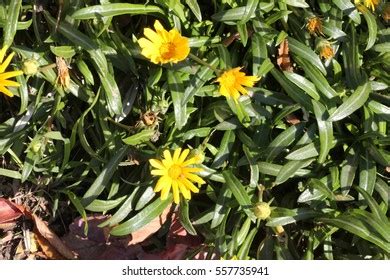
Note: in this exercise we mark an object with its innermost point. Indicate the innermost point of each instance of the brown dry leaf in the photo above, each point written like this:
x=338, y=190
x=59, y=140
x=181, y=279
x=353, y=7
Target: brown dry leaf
x=283, y=59
x=63, y=72
x=8, y=211
x=97, y=244
x=50, y=243
x=151, y=228
x=292, y=119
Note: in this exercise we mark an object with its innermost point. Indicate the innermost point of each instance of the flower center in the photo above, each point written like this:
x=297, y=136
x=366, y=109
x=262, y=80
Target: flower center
x=167, y=50
x=174, y=171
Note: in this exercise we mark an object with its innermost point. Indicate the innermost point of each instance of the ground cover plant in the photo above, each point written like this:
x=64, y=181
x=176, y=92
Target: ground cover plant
x=226, y=128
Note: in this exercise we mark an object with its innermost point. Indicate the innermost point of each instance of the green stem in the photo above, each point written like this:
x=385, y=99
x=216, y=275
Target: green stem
x=204, y=63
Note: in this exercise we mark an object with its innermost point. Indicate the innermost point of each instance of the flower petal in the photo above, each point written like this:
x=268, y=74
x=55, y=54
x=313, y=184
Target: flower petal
x=175, y=191
x=156, y=164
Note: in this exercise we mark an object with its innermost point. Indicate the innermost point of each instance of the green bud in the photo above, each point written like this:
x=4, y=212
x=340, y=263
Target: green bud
x=262, y=210
x=30, y=67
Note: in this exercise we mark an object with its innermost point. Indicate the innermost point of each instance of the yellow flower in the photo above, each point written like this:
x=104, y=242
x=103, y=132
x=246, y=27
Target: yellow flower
x=4, y=76
x=176, y=172
x=314, y=25
x=232, y=81
x=162, y=46
x=369, y=3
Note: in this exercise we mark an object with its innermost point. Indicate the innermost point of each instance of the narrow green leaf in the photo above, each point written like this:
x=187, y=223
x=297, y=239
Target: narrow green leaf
x=325, y=130
x=12, y=21
x=352, y=103
x=289, y=169
x=104, y=177
x=303, y=83
x=239, y=193
x=184, y=216
x=139, y=138
x=194, y=6
x=115, y=9
x=177, y=91
x=144, y=217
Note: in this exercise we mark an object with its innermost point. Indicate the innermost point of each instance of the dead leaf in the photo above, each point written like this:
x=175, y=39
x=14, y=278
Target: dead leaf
x=292, y=119
x=50, y=243
x=8, y=211
x=97, y=244
x=283, y=59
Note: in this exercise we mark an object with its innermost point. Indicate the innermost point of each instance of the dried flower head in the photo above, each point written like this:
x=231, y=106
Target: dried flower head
x=314, y=26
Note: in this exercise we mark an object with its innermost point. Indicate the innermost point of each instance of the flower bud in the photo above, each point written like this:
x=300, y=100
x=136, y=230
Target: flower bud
x=262, y=210
x=30, y=67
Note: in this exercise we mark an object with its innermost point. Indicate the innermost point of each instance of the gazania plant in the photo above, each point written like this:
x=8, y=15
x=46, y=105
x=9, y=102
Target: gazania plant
x=256, y=129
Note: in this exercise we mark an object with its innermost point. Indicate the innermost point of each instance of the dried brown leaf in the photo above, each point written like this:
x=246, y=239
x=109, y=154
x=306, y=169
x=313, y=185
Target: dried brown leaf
x=283, y=59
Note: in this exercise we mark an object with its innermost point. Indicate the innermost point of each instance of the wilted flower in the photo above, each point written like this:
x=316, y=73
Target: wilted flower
x=232, y=83
x=4, y=76
x=162, y=46
x=326, y=50
x=177, y=173
x=314, y=25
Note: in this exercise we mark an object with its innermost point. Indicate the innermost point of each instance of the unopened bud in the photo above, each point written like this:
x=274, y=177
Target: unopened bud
x=30, y=67
x=262, y=210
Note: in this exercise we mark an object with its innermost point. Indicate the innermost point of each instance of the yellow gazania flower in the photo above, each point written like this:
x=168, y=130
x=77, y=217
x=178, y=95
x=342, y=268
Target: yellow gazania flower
x=369, y=3
x=232, y=81
x=176, y=172
x=162, y=46
x=4, y=76
x=314, y=25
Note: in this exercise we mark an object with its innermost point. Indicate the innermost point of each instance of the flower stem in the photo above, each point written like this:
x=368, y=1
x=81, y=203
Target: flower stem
x=204, y=63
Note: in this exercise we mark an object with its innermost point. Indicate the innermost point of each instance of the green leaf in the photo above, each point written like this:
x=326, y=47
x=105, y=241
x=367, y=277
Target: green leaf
x=289, y=169
x=177, y=92
x=144, y=217
x=184, y=216
x=194, y=6
x=372, y=26
x=352, y=103
x=225, y=149
x=99, y=205
x=307, y=151
x=281, y=216
x=348, y=171
x=283, y=140
x=325, y=130
x=303, y=83
x=12, y=22
x=303, y=51
x=239, y=193
x=104, y=177
x=139, y=138
x=357, y=227
x=115, y=9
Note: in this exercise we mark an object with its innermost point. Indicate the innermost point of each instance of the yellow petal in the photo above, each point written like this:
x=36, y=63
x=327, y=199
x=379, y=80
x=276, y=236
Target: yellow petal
x=6, y=91
x=7, y=61
x=190, y=185
x=158, y=26
x=165, y=191
x=156, y=164
x=183, y=156
x=9, y=83
x=176, y=155
x=10, y=74
x=2, y=53
x=161, y=183
x=186, y=193
x=176, y=193
x=158, y=172
x=168, y=157
x=152, y=36
x=195, y=178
